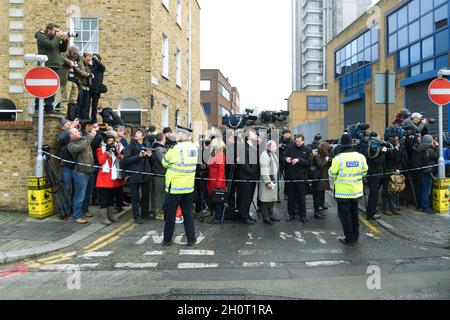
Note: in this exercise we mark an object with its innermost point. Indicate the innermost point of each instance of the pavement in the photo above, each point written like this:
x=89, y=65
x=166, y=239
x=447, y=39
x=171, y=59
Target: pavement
x=22, y=237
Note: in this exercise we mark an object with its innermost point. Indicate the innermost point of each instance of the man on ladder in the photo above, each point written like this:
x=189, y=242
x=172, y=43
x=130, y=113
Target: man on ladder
x=347, y=173
x=181, y=163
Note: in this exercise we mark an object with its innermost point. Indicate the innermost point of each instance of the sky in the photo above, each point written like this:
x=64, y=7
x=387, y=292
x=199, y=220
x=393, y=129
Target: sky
x=250, y=42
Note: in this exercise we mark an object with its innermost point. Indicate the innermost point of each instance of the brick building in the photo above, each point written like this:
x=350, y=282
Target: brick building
x=218, y=97
x=144, y=45
x=412, y=39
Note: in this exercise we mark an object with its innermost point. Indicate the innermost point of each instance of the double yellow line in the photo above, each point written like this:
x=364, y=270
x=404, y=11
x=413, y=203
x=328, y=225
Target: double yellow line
x=110, y=237
x=370, y=226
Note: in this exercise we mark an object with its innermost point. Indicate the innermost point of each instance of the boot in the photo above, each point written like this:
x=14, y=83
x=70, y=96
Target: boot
x=72, y=111
x=111, y=216
x=104, y=215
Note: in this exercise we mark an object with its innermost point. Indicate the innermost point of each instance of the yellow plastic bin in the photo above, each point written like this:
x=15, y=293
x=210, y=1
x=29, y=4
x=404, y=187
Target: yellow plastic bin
x=40, y=198
x=441, y=196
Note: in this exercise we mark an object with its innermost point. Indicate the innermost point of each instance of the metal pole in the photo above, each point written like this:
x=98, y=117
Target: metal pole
x=387, y=98
x=40, y=155
x=441, y=144
x=189, y=115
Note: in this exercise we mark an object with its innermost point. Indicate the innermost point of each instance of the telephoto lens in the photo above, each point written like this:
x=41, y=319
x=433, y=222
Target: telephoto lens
x=72, y=34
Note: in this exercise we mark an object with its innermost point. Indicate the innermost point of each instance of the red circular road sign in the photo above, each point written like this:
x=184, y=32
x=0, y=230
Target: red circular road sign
x=439, y=91
x=41, y=82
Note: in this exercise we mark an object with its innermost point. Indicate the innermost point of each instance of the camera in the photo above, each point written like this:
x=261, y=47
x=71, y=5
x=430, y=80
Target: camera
x=239, y=121
x=272, y=117
x=73, y=34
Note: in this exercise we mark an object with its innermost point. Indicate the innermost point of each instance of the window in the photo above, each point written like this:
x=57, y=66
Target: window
x=88, y=30
x=442, y=41
x=178, y=118
x=393, y=43
x=402, y=17
x=205, y=85
x=130, y=111
x=426, y=5
x=415, y=71
x=427, y=48
x=317, y=103
x=166, y=4
x=415, y=53
x=207, y=108
x=223, y=112
x=165, y=56
x=414, y=10
x=392, y=22
x=402, y=37
x=179, y=75
x=224, y=92
x=8, y=110
x=404, y=58
x=426, y=25
x=441, y=17
x=428, y=66
x=165, y=116
x=442, y=62
x=414, y=31
x=179, y=13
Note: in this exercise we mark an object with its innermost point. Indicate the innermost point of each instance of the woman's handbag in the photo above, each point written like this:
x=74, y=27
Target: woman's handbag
x=397, y=183
x=219, y=196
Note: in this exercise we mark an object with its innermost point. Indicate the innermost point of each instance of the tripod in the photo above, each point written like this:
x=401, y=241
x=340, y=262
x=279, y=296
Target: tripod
x=57, y=186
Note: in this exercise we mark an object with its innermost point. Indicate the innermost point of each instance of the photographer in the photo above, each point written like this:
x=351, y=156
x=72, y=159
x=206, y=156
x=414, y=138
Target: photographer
x=70, y=73
x=322, y=163
x=416, y=123
x=86, y=78
x=285, y=142
x=138, y=158
x=97, y=87
x=110, y=117
x=159, y=183
x=424, y=155
x=392, y=165
x=109, y=179
x=376, y=156
x=51, y=42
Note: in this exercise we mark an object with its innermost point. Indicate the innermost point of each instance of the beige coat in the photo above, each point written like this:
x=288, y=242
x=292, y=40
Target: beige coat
x=269, y=167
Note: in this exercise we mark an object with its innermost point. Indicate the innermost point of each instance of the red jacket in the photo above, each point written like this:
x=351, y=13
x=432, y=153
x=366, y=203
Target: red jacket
x=217, y=173
x=104, y=179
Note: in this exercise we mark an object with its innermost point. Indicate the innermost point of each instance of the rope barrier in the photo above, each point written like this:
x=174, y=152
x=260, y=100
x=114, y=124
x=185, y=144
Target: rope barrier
x=230, y=180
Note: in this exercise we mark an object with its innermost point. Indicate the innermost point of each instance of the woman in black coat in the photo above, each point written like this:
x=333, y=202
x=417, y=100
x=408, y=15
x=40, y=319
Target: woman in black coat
x=321, y=163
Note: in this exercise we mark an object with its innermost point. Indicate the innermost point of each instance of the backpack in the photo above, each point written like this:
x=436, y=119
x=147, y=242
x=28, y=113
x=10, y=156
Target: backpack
x=397, y=183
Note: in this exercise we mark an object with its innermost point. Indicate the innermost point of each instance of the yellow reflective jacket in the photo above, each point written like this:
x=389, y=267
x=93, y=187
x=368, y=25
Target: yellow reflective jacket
x=347, y=172
x=181, y=164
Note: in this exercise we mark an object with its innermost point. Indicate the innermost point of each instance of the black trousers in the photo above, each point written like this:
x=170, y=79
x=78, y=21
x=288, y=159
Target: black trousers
x=296, y=198
x=95, y=98
x=184, y=201
x=374, y=184
x=267, y=209
x=144, y=187
x=319, y=200
x=348, y=214
x=107, y=197
x=118, y=197
x=245, y=195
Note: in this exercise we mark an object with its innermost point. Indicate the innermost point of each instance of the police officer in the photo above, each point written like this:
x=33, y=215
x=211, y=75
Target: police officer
x=181, y=163
x=347, y=172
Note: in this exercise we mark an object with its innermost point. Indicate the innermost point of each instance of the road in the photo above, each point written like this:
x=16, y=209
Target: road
x=234, y=261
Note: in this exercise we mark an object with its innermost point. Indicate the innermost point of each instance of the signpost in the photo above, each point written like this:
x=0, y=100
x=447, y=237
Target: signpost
x=385, y=91
x=439, y=93
x=41, y=83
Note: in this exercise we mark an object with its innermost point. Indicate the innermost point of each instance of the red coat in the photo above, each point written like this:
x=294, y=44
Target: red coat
x=217, y=173
x=104, y=179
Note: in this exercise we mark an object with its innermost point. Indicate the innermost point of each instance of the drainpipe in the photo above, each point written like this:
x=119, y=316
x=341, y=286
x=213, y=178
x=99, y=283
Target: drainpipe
x=189, y=124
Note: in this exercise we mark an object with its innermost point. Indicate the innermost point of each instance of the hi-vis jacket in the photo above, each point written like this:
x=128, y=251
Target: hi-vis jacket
x=347, y=171
x=181, y=164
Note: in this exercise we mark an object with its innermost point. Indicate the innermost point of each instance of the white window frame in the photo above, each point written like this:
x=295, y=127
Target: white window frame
x=204, y=87
x=179, y=70
x=165, y=121
x=96, y=43
x=165, y=56
x=179, y=13
x=166, y=4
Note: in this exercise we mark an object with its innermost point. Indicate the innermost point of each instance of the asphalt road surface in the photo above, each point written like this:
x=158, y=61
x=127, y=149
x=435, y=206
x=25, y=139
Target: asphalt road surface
x=234, y=261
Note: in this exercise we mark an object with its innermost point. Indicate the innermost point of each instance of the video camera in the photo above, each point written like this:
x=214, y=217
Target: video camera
x=239, y=121
x=272, y=117
x=367, y=142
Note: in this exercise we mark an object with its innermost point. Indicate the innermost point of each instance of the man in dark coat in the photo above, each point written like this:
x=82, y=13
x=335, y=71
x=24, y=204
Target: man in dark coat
x=98, y=70
x=110, y=117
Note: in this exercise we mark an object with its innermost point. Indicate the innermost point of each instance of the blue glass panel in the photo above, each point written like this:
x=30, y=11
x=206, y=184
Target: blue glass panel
x=442, y=42
x=348, y=51
x=427, y=48
x=207, y=107
x=403, y=58
x=425, y=6
x=441, y=14
x=392, y=22
x=367, y=39
x=414, y=31
x=426, y=24
x=414, y=53
x=354, y=47
x=367, y=55
x=415, y=71
x=442, y=62
x=368, y=73
x=437, y=3
x=414, y=10
x=403, y=37
x=374, y=35
x=393, y=43
x=402, y=17
x=375, y=52
x=428, y=66
x=360, y=44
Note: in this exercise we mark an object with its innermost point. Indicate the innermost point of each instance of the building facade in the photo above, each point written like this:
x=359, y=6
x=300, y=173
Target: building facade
x=218, y=97
x=145, y=45
x=411, y=38
x=315, y=23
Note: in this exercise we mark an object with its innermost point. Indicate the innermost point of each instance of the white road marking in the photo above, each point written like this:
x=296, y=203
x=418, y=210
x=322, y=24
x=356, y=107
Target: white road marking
x=40, y=82
x=446, y=258
x=146, y=237
x=259, y=264
x=154, y=253
x=324, y=251
x=324, y=263
x=196, y=252
x=247, y=252
x=68, y=267
x=318, y=236
x=197, y=265
x=284, y=236
x=385, y=224
x=299, y=237
x=96, y=254
x=373, y=236
x=250, y=236
x=136, y=265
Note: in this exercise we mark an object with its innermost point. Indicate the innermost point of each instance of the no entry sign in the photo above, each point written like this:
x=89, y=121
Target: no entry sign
x=439, y=91
x=41, y=82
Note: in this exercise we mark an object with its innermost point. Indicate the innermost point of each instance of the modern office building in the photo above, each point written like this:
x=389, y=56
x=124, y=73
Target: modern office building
x=315, y=23
x=412, y=39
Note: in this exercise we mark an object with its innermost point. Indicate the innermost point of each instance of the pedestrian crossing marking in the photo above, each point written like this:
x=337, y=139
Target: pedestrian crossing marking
x=69, y=267
x=259, y=264
x=100, y=254
x=154, y=253
x=318, y=236
x=325, y=263
x=136, y=265
x=196, y=252
x=197, y=265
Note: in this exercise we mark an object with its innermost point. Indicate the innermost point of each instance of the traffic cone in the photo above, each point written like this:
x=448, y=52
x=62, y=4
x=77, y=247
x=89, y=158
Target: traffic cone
x=179, y=218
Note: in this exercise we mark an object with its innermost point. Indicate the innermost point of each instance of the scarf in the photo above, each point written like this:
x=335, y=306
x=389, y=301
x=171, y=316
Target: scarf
x=106, y=168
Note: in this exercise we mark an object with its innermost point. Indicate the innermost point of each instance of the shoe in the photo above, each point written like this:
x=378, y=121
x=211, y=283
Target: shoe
x=319, y=215
x=81, y=221
x=111, y=216
x=119, y=209
x=303, y=220
x=395, y=212
x=88, y=215
x=274, y=220
x=387, y=213
x=375, y=217
x=250, y=221
x=166, y=244
x=429, y=211
x=345, y=242
x=324, y=208
x=149, y=217
x=138, y=221
x=95, y=203
x=105, y=220
x=268, y=221
x=290, y=218
x=191, y=243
